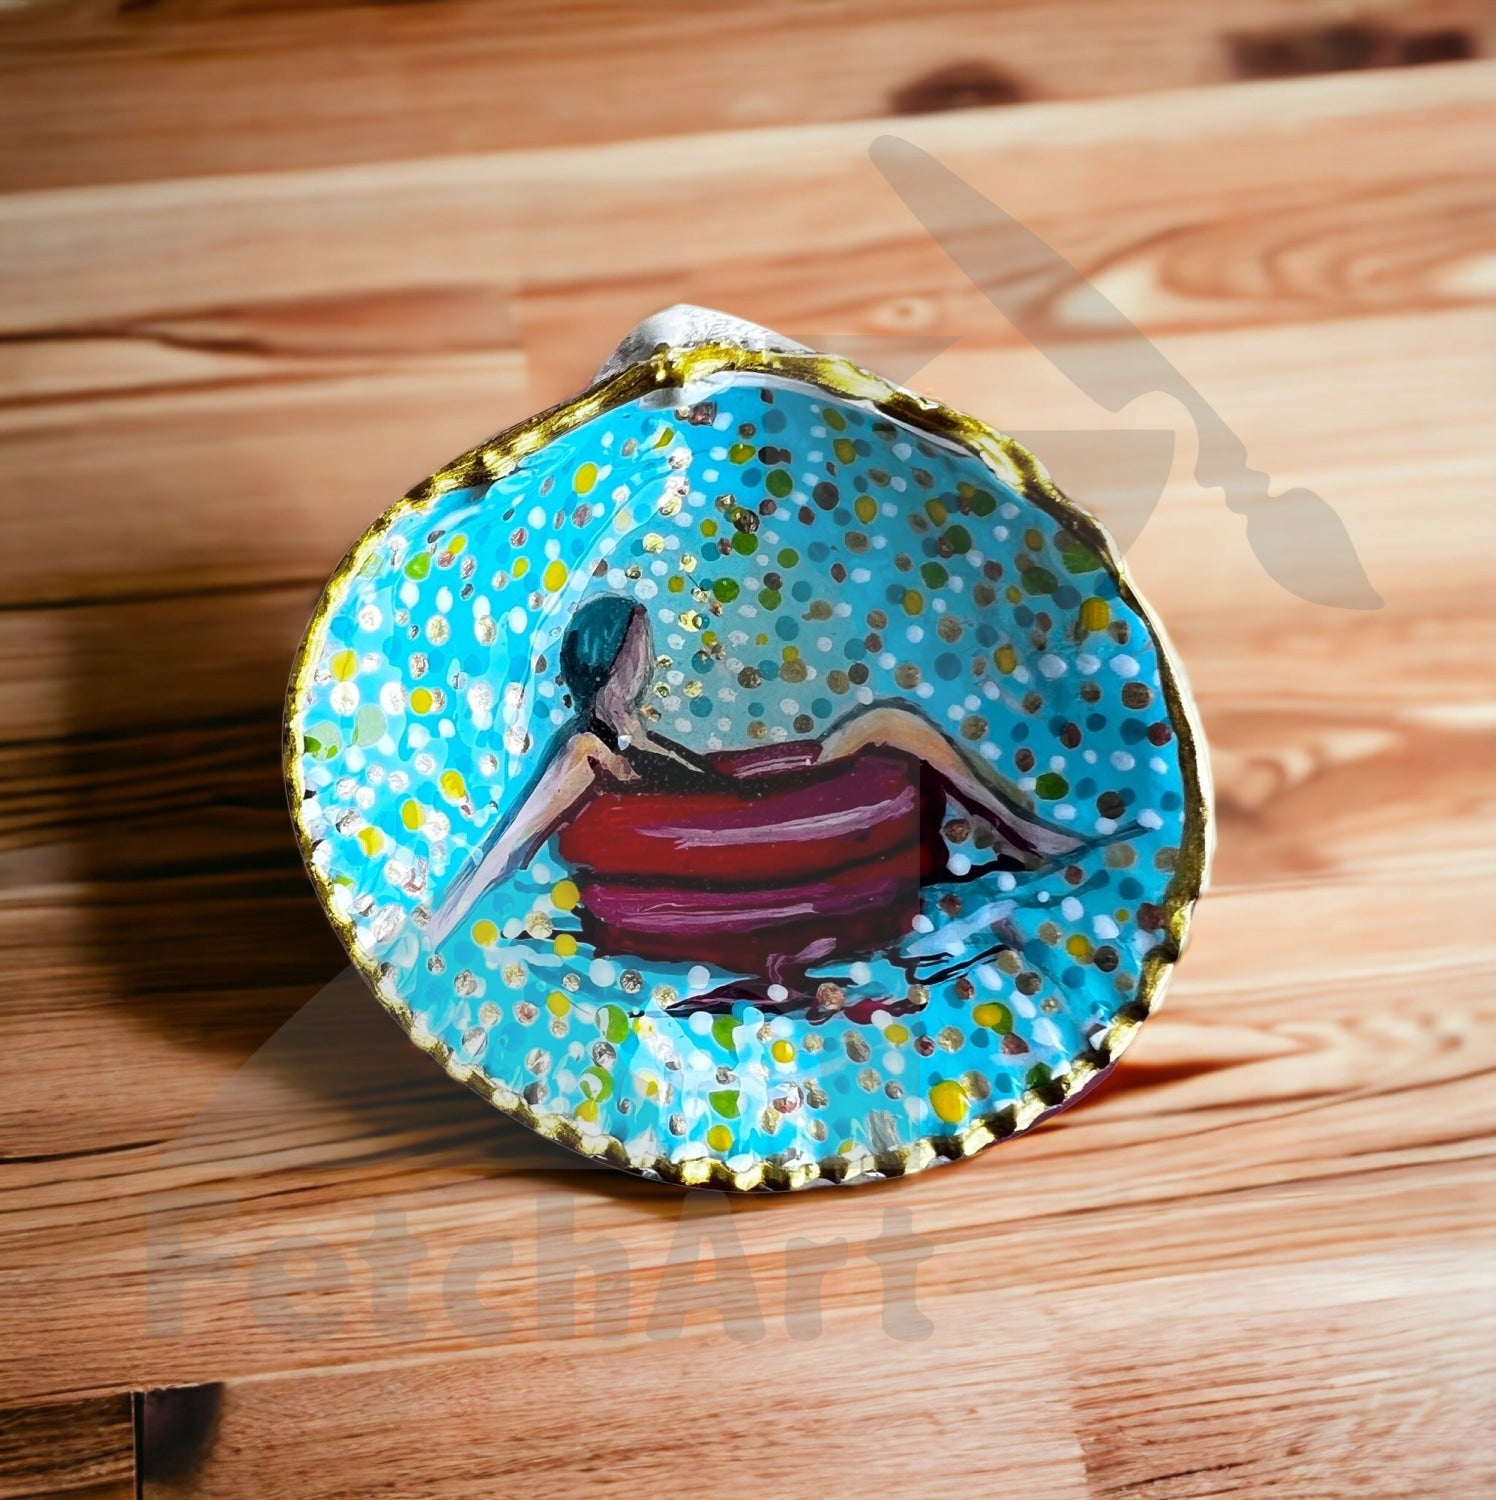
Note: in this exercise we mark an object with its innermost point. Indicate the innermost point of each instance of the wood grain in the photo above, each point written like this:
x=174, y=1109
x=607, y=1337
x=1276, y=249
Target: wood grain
x=353, y=82
x=84, y=1450
x=1261, y=1261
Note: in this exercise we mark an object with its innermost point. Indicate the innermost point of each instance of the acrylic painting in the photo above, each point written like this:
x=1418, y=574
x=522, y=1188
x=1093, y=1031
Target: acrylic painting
x=761, y=782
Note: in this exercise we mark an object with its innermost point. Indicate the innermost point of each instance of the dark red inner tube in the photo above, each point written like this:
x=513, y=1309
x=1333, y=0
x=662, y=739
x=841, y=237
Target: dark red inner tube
x=795, y=858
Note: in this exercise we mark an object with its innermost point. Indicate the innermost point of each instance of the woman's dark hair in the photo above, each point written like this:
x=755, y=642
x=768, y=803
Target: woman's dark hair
x=591, y=645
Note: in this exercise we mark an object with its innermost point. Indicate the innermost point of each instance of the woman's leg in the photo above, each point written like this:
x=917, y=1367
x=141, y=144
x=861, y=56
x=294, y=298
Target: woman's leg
x=973, y=781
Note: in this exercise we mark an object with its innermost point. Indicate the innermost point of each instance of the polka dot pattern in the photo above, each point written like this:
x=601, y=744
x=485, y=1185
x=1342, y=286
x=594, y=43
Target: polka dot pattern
x=800, y=556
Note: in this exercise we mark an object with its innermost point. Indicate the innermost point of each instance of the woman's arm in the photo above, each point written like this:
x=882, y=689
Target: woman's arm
x=973, y=781
x=509, y=845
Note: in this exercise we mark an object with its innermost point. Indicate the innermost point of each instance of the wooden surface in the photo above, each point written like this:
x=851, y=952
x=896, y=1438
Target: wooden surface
x=263, y=266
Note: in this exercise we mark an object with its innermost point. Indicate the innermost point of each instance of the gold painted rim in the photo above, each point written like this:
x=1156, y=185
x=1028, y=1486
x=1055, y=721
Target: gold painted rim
x=668, y=368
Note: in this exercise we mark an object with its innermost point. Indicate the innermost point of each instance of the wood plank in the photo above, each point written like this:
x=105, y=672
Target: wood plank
x=211, y=243
x=81, y=1449
x=355, y=83
x=1411, y=1335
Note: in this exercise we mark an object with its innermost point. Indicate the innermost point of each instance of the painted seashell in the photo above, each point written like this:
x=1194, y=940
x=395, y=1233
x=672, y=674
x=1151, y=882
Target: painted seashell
x=748, y=773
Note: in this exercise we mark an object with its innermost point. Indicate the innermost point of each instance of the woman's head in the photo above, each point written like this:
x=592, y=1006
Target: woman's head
x=607, y=657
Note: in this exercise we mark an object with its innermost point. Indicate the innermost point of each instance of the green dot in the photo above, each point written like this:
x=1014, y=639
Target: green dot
x=788, y=557
x=1040, y=581
x=723, y=1028
x=1078, y=558
x=933, y=574
x=726, y=1103
x=834, y=419
x=321, y=741
x=419, y=566
x=958, y=540
x=844, y=449
x=596, y=1084
x=613, y=1023
x=369, y=725
x=725, y=590
x=769, y=598
x=982, y=503
x=1051, y=785
x=745, y=544
x=740, y=453
x=779, y=483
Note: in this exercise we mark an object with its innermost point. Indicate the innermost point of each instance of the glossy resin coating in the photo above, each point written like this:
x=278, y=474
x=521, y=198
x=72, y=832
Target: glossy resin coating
x=792, y=941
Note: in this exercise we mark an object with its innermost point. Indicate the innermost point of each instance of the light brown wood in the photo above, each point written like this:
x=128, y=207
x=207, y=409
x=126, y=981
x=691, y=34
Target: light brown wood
x=1261, y=1261
x=168, y=89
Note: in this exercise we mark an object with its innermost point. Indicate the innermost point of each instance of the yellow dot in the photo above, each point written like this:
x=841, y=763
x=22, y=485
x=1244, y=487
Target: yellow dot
x=421, y=700
x=371, y=840
x=557, y=1003
x=1078, y=945
x=454, y=788
x=554, y=577
x=914, y=601
x=587, y=1110
x=865, y=508
x=565, y=945
x=412, y=814
x=584, y=478
x=994, y=1016
x=565, y=895
x=783, y=1051
x=1005, y=659
x=1095, y=615
x=896, y=1034
x=485, y=932
x=719, y=1138
x=344, y=665
x=456, y=544
x=949, y=1101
